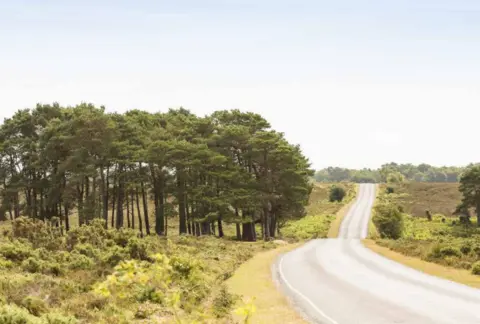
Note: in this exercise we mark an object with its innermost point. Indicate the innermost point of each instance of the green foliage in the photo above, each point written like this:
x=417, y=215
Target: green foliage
x=309, y=227
x=470, y=189
x=337, y=193
x=223, y=302
x=476, y=268
x=391, y=172
x=389, y=220
x=34, y=305
x=11, y=314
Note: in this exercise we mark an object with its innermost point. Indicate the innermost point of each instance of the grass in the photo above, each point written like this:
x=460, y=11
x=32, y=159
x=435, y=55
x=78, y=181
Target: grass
x=458, y=275
x=417, y=197
x=254, y=279
x=64, y=276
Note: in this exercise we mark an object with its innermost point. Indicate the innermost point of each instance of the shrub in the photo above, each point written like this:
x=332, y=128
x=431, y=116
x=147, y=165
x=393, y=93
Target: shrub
x=388, y=220
x=450, y=251
x=114, y=255
x=80, y=261
x=86, y=249
x=32, y=265
x=223, y=302
x=16, y=251
x=337, y=193
x=12, y=314
x=476, y=268
x=5, y=264
x=34, y=305
x=137, y=248
x=55, y=318
x=466, y=248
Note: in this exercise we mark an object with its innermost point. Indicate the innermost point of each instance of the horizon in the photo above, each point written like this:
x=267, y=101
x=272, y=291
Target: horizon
x=354, y=83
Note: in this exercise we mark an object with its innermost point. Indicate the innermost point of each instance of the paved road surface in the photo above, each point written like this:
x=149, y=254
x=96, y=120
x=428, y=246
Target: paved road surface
x=338, y=281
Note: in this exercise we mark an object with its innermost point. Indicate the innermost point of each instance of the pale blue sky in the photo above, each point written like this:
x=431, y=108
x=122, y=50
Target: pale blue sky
x=356, y=83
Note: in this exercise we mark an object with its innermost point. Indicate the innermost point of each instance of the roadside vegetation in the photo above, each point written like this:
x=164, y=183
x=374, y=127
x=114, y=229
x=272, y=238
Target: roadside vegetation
x=140, y=217
x=451, y=239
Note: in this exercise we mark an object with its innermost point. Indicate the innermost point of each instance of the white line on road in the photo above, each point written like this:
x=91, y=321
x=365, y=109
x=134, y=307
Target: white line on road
x=302, y=295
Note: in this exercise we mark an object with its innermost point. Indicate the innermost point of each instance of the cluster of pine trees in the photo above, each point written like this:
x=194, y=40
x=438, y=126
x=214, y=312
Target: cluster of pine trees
x=230, y=166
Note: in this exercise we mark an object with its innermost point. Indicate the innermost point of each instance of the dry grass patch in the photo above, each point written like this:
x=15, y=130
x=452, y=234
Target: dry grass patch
x=458, y=275
x=439, y=198
x=254, y=279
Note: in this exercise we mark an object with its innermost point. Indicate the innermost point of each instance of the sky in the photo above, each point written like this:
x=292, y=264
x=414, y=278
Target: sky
x=357, y=83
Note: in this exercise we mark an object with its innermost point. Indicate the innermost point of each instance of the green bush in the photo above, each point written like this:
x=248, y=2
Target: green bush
x=450, y=251
x=12, y=314
x=56, y=318
x=80, y=261
x=389, y=220
x=34, y=305
x=32, y=265
x=87, y=249
x=466, y=248
x=337, y=193
x=5, y=264
x=223, y=302
x=16, y=251
x=137, y=248
x=308, y=227
x=476, y=268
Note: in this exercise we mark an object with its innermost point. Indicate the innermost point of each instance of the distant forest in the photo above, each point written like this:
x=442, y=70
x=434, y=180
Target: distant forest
x=392, y=172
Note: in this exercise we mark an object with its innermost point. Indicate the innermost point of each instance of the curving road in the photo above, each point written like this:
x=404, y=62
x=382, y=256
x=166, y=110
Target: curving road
x=339, y=281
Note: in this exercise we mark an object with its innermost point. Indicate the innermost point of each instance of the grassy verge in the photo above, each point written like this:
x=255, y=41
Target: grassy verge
x=253, y=279
x=372, y=230
x=458, y=275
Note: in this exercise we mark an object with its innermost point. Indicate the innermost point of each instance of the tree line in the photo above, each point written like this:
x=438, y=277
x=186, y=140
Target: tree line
x=59, y=162
x=420, y=173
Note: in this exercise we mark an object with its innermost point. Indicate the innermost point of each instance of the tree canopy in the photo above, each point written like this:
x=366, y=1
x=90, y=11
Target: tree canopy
x=420, y=173
x=230, y=166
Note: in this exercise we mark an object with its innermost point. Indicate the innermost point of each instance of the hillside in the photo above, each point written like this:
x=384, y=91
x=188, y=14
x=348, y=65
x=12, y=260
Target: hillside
x=417, y=197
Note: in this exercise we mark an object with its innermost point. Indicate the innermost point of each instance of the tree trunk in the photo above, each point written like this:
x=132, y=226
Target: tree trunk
x=133, y=207
x=266, y=226
x=181, y=203
x=159, y=189
x=127, y=204
x=239, y=233
x=114, y=197
x=104, y=193
x=220, y=227
x=140, y=225
x=145, y=208
x=120, y=197
x=477, y=210
x=80, y=190
x=273, y=224
x=189, y=224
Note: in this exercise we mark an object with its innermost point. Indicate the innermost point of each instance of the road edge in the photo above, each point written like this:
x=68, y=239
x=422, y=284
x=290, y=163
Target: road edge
x=334, y=230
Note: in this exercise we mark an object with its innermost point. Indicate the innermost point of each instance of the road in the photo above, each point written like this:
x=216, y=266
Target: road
x=339, y=281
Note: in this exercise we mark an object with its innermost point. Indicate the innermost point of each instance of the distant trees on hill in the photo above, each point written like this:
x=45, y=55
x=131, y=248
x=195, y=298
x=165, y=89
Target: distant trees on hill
x=392, y=172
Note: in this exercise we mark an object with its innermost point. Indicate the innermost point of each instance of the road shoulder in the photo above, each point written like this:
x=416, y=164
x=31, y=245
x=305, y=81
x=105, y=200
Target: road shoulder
x=254, y=279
